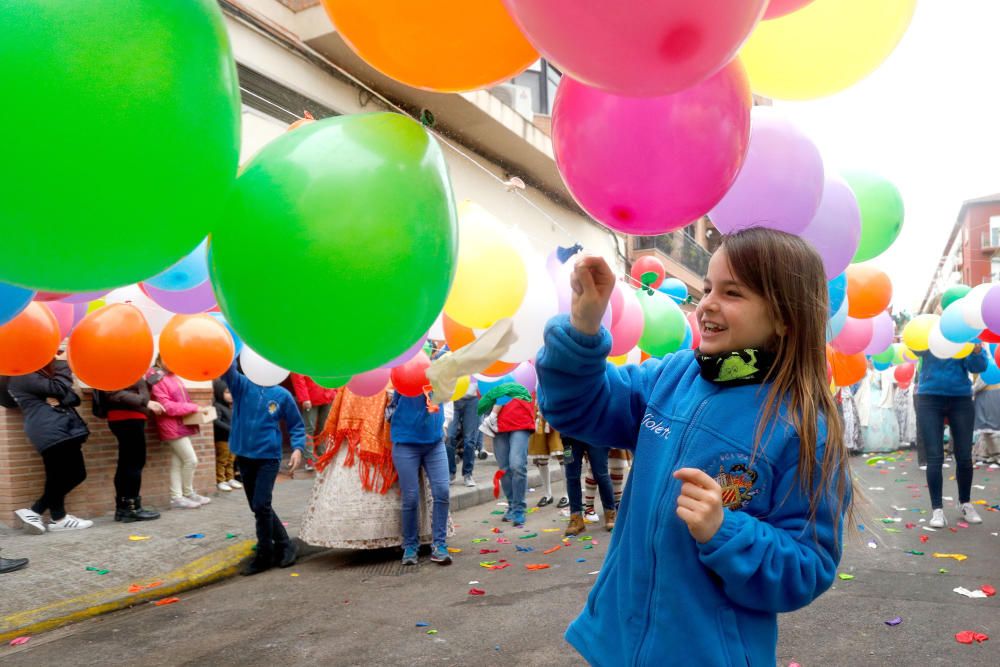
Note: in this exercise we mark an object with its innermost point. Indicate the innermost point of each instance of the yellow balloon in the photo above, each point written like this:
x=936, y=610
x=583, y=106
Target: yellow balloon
x=965, y=351
x=490, y=279
x=908, y=354
x=916, y=333
x=461, y=387
x=94, y=305
x=620, y=360
x=823, y=48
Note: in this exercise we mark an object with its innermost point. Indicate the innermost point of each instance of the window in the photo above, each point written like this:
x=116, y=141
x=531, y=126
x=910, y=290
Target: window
x=994, y=240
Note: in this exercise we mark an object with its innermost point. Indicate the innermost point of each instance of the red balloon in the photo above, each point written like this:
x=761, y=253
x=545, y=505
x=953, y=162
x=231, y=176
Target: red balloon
x=411, y=378
x=778, y=8
x=988, y=336
x=695, y=331
x=904, y=373
x=648, y=270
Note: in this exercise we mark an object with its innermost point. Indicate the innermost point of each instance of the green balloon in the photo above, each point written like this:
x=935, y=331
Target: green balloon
x=886, y=356
x=339, y=246
x=664, y=328
x=333, y=383
x=953, y=293
x=120, y=141
x=881, y=212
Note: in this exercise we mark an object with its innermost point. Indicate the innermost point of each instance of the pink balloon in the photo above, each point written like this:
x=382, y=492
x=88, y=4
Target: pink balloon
x=50, y=296
x=778, y=8
x=883, y=331
x=525, y=374
x=835, y=230
x=781, y=182
x=198, y=299
x=370, y=383
x=640, y=48
x=68, y=315
x=652, y=165
x=617, y=303
x=84, y=297
x=854, y=337
x=626, y=334
x=695, y=330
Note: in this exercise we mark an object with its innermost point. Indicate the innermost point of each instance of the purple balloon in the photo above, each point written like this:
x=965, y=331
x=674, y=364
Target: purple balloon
x=525, y=374
x=991, y=309
x=883, y=331
x=186, y=302
x=84, y=297
x=781, y=182
x=835, y=230
x=370, y=383
x=409, y=354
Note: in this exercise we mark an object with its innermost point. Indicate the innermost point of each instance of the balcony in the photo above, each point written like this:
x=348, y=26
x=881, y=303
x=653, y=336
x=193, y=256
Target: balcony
x=679, y=247
x=989, y=242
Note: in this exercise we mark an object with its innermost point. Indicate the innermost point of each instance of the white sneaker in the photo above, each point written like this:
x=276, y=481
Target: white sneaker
x=70, y=522
x=223, y=486
x=32, y=520
x=938, y=519
x=970, y=514
x=201, y=500
x=182, y=503
x=923, y=467
x=591, y=517
x=234, y=484
x=469, y=481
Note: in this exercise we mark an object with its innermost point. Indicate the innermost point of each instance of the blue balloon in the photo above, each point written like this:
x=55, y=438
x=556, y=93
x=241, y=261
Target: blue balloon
x=688, y=337
x=838, y=292
x=879, y=366
x=486, y=385
x=188, y=272
x=953, y=326
x=837, y=322
x=13, y=300
x=674, y=288
x=237, y=343
x=992, y=373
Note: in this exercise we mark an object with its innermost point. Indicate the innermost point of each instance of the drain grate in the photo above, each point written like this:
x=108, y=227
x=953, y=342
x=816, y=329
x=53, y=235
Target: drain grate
x=390, y=569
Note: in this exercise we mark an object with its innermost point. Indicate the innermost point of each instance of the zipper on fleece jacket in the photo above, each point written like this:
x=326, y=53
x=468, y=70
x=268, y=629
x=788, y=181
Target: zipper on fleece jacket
x=656, y=527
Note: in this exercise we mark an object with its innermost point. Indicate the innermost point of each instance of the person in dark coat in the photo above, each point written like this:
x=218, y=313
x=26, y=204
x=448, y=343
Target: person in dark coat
x=225, y=474
x=127, y=413
x=48, y=402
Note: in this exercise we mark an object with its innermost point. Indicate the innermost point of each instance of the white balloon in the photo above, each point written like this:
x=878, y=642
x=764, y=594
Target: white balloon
x=259, y=370
x=540, y=304
x=972, y=305
x=634, y=356
x=941, y=347
x=156, y=316
x=437, y=329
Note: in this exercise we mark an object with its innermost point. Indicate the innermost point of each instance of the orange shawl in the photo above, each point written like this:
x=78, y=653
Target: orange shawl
x=359, y=422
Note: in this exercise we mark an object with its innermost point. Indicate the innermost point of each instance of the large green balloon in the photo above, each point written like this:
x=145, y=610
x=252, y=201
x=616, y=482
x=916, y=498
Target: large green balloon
x=953, y=293
x=881, y=212
x=120, y=137
x=339, y=247
x=333, y=383
x=664, y=328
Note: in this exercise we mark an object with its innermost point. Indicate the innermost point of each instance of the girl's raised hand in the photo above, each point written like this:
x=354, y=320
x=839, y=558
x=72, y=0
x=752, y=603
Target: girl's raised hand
x=593, y=282
x=699, y=504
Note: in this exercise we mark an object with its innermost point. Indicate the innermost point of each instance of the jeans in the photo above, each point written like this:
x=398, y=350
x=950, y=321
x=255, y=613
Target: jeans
x=64, y=471
x=315, y=421
x=258, y=484
x=511, y=450
x=131, y=435
x=409, y=457
x=931, y=413
x=467, y=418
x=598, y=465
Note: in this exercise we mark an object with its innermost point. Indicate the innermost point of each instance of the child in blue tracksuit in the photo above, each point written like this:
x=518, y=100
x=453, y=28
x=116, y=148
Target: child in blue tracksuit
x=734, y=508
x=255, y=439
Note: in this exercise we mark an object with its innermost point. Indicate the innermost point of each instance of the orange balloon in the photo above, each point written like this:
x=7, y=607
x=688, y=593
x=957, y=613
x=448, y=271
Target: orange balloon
x=111, y=348
x=447, y=46
x=458, y=336
x=29, y=341
x=196, y=347
x=869, y=291
x=847, y=368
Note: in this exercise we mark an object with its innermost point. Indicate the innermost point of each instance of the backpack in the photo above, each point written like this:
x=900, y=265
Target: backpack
x=100, y=404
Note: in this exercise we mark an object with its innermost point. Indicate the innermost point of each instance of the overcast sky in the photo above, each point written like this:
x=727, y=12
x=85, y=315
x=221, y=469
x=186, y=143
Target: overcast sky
x=929, y=120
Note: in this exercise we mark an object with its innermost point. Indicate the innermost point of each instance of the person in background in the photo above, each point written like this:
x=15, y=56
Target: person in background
x=986, y=450
x=255, y=438
x=169, y=391
x=48, y=401
x=619, y=462
x=513, y=423
x=315, y=402
x=12, y=564
x=225, y=473
x=598, y=458
x=127, y=412
x=543, y=445
x=466, y=421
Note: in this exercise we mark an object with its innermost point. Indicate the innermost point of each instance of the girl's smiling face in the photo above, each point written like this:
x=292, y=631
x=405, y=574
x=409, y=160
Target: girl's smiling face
x=730, y=315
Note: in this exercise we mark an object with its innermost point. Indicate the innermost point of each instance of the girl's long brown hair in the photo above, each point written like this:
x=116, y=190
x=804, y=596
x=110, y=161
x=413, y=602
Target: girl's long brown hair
x=788, y=273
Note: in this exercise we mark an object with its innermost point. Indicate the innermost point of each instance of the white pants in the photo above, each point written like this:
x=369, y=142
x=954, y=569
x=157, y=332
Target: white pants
x=182, y=467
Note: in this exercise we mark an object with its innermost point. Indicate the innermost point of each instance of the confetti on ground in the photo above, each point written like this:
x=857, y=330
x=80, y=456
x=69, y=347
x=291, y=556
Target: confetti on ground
x=978, y=502
x=861, y=527
x=529, y=535
x=588, y=546
x=432, y=632
x=473, y=583
x=532, y=510
x=880, y=459
x=422, y=624
x=584, y=538
x=552, y=550
x=487, y=563
x=480, y=540
x=891, y=519
x=968, y=636
x=962, y=524
x=499, y=566
x=961, y=590
x=876, y=488
x=91, y=568
x=166, y=601
x=845, y=577
x=488, y=551
x=980, y=487
x=496, y=530
x=137, y=538
x=942, y=571
x=537, y=566
x=924, y=539
x=195, y=536
x=294, y=574
x=872, y=544
x=18, y=641
x=894, y=621
x=524, y=549
x=453, y=550
x=581, y=560
x=910, y=525
x=551, y=530
x=915, y=553
x=231, y=536
x=497, y=512
x=989, y=590
x=893, y=530
x=477, y=591
x=958, y=557
x=503, y=540
x=928, y=529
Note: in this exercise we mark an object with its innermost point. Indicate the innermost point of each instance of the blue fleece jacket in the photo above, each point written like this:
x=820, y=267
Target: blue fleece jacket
x=948, y=377
x=412, y=423
x=257, y=413
x=661, y=598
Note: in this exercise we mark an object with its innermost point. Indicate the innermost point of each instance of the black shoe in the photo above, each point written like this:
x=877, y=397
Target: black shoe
x=287, y=556
x=131, y=509
x=563, y=502
x=257, y=565
x=482, y=455
x=11, y=564
x=545, y=500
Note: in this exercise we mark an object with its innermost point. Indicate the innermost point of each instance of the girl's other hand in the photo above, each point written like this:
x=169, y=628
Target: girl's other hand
x=593, y=282
x=156, y=407
x=700, y=503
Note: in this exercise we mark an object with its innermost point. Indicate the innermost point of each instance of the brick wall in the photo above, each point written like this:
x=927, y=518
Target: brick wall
x=22, y=474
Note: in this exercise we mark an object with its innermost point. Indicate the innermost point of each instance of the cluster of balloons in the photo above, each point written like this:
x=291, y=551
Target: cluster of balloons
x=968, y=315
x=860, y=325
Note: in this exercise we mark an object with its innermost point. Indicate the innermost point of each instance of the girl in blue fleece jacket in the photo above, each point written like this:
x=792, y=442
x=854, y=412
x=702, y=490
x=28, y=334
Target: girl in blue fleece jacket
x=734, y=508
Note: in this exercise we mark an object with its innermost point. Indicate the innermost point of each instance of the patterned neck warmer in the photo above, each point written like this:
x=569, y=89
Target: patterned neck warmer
x=736, y=368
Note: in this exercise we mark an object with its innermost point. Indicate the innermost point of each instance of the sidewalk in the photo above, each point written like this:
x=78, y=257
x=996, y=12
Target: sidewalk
x=57, y=588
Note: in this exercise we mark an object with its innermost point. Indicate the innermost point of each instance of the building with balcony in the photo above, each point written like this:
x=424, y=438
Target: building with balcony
x=972, y=254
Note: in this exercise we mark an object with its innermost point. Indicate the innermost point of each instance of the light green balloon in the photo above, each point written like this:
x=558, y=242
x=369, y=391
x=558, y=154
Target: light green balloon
x=887, y=356
x=339, y=246
x=121, y=129
x=334, y=382
x=664, y=328
x=881, y=212
x=953, y=293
